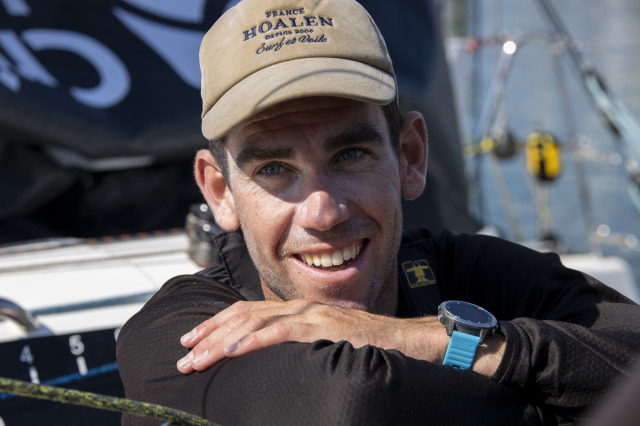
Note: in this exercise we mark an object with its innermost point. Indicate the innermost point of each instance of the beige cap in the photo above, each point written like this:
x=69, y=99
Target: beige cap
x=260, y=53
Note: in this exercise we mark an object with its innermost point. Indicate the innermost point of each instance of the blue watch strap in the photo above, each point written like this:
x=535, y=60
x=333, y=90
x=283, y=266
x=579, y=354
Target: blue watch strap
x=461, y=350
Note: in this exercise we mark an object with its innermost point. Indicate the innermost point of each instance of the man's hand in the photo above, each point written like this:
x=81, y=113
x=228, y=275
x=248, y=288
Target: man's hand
x=247, y=326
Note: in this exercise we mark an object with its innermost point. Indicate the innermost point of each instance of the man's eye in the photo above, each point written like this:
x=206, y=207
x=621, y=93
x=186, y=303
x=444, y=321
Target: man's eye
x=271, y=169
x=350, y=154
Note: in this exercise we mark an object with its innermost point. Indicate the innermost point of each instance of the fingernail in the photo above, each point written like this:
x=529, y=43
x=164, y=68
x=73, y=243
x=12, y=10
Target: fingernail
x=200, y=357
x=189, y=337
x=232, y=348
x=186, y=361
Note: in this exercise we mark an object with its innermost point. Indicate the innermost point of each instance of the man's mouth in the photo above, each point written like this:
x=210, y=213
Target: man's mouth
x=342, y=257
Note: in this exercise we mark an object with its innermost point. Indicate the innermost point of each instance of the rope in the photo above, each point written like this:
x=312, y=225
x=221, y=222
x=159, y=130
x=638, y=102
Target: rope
x=103, y=402
x=71, y=378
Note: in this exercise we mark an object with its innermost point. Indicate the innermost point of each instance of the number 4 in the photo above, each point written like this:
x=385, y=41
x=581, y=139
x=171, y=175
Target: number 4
x=26, y=355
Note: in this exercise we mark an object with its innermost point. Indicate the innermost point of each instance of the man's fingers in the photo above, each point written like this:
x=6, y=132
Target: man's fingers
x=253, y=335
x=267, y=336
x=203, y=356
x=184, y=364
x=247, y=326
x=228, y=317
x=233, y=316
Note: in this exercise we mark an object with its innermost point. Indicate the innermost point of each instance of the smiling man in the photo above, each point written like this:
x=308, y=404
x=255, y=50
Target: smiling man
x=322, y=312
x=316, y=191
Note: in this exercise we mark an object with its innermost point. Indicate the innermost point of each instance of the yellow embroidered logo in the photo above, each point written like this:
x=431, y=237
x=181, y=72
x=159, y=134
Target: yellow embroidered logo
x=418, y=273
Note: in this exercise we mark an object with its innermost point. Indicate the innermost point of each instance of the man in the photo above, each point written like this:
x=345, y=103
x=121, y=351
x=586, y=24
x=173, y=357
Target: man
x=331, y=318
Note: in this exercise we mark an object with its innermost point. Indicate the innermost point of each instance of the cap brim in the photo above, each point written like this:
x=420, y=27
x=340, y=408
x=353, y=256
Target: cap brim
x=295, y=79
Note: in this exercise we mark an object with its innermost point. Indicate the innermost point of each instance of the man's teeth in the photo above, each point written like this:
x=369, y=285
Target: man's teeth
x=336, y=258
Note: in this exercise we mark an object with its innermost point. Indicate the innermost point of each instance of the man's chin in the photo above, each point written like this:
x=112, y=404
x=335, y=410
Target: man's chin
x=336, y=295
x=332, y=301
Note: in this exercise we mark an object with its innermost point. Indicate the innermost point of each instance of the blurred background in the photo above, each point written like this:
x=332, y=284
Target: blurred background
x=592, y=205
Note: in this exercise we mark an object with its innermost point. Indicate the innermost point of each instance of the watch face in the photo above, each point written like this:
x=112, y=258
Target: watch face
x=470, y=313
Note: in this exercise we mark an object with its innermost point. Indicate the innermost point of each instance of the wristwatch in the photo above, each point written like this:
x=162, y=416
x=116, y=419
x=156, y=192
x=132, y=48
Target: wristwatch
x=468, y=325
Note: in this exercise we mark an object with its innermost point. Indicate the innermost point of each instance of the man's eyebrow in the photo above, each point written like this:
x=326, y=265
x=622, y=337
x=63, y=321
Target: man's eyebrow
x=260, y=151
x=364, y=133
x=255, y=151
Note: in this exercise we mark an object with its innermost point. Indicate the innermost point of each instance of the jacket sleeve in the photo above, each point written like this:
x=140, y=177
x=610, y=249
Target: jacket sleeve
x=568, y=336
x=298, y=383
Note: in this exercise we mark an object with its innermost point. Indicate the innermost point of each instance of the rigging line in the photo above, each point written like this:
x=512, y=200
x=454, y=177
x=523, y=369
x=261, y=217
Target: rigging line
x=71, y=378
x=103, y=402
x=562, y=32
x=493, y=114
x=505, y=199
x=572, y=131
x=617, y=116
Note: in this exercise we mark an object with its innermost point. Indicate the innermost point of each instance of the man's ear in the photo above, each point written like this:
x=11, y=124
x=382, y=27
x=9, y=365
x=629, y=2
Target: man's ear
x=216, y=191
x=413, y=155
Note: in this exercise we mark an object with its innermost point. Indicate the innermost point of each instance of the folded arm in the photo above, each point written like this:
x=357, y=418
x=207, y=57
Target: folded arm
x=248, y=326
x=298, y=383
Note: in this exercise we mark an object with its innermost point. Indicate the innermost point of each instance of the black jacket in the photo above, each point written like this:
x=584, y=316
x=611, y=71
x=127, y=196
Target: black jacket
x=568, y=337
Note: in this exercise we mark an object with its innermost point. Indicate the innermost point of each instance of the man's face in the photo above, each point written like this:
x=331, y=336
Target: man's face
x=316, y=186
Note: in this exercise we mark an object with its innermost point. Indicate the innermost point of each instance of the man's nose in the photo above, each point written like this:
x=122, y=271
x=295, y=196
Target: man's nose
x=322, y=209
